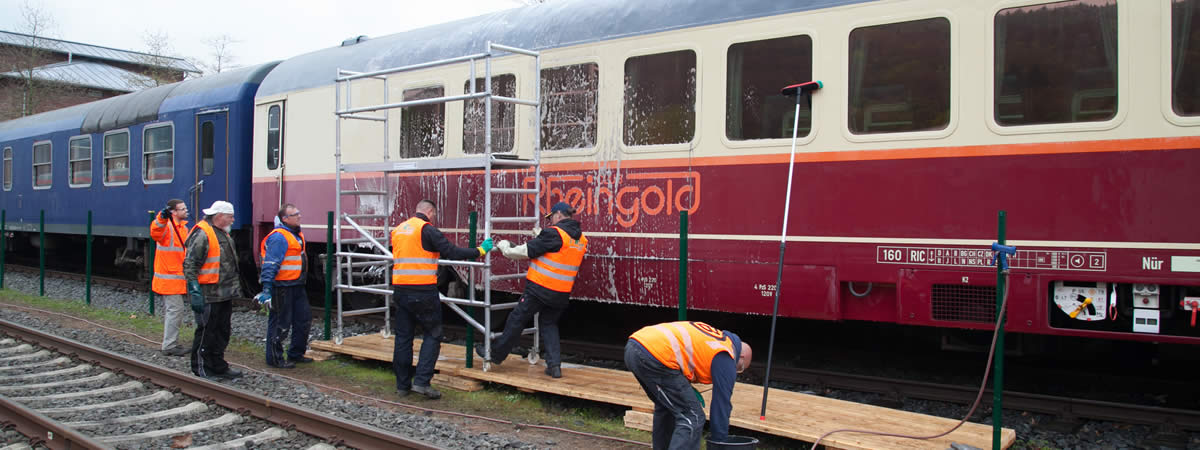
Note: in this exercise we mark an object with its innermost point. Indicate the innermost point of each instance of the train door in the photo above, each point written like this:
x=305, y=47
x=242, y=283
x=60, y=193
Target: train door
x=212, y=161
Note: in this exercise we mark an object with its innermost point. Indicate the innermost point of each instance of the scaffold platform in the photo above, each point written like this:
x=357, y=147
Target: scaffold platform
x=790, y=414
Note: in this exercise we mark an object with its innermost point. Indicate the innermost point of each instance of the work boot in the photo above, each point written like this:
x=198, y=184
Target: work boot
x=301, y=360
x=402, y=392
x=283, y=364
x=428, y=391
x=230, y=374
x=177, y=351
x=554, y=371
x=479, y=351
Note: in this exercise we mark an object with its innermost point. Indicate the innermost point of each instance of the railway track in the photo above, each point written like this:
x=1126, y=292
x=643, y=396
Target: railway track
x=63, y=394
x=1068, y=411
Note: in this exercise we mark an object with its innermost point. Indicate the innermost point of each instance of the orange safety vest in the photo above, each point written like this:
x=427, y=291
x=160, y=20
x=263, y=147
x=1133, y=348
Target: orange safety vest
x=686, y=346
x=210, y=272
x=412, y=264
x=293, y=260
x=168, y=257
x=556, y=271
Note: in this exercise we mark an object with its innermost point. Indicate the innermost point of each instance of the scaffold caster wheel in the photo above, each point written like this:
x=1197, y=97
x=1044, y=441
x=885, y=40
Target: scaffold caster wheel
x=532, y=357
x=338, y=340
x=387, y=334
x=487, y=366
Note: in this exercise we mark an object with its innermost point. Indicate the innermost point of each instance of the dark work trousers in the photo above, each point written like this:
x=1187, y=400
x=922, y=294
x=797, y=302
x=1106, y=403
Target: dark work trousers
x=212, y=336
x=409, y=309
x=289, y=311
x=547, y=324
x=678, y=416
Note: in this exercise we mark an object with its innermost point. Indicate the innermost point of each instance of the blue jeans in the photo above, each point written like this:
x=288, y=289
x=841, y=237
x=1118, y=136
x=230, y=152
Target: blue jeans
x=678, y=416
x=289, y=311
x=409, y=309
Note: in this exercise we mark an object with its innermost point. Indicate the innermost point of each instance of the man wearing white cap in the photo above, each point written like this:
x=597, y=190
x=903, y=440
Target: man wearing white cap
x=210, y=267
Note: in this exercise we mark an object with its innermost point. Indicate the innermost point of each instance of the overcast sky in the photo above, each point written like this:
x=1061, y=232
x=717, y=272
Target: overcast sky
x=267, y=30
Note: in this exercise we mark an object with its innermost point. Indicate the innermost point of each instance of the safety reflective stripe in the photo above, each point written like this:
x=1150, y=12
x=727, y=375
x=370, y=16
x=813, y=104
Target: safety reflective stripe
x=414, y=260
x=687, y=345
x=557, y=265
x=163, y=248
x=216, y=270
x=292, y=258
x=554, y=275
x=215, y=259
x=414, y=272
x=163, y=276
x=690, y=368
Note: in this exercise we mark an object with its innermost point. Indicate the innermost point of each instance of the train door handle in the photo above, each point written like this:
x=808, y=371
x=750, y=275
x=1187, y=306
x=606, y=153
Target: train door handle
x=198, y=187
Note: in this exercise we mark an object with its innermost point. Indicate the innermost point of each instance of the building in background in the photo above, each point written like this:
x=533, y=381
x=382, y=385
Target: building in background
x=39, y=74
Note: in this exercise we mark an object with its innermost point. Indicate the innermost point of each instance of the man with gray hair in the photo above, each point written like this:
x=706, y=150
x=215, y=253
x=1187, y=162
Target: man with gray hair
x=211, y=269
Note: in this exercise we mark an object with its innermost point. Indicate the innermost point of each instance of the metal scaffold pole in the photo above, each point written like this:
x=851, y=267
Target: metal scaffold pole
x=365, y=253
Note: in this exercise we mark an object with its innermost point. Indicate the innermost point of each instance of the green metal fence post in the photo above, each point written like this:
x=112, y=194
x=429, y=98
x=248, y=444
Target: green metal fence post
x=88, y=284
x=150, y=258
x=683, y=260
x=470, y=285
x=998, y=374
x=42, y=253
x=3, y=243
x=330, y=249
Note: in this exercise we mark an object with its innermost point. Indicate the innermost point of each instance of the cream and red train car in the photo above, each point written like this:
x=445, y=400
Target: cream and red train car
x=1079, y=118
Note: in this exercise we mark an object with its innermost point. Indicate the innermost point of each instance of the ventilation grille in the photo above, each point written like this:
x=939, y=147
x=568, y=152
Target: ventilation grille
x=962, y=303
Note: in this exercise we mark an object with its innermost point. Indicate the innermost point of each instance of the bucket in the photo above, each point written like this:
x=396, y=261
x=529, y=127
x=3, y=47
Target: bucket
x=733, y=443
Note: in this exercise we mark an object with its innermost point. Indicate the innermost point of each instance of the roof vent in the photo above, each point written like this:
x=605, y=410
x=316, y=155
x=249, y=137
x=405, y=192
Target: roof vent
x=354, y=40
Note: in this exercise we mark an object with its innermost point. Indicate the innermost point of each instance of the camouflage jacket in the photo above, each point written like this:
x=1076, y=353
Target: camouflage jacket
x=229, y=284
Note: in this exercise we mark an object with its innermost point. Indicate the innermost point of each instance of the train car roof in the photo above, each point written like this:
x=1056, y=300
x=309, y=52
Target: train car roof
x=538, y=27
x=137, y=107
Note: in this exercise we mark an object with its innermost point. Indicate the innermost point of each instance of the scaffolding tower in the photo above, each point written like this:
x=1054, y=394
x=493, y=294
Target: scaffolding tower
x=377, y=258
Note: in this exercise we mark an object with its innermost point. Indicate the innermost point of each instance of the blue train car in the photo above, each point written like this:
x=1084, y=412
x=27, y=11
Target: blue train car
x=123, y=157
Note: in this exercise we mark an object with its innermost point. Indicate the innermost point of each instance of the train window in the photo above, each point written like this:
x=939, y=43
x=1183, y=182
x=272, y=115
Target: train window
x=569, y=106
x=206, y=147
x=1185, y=57
x=79, y=169
x=755, y=72
x=274, y=137
x=158, y=154
x=423, y=128
x=8, y=163
x=660, y=98
x=900, y=77
x=43, y=175
x=503, y=116
x=1056, y=63
x=116, y=158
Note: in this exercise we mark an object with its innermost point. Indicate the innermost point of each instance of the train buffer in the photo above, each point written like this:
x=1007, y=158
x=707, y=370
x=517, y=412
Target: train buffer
x=789, y=414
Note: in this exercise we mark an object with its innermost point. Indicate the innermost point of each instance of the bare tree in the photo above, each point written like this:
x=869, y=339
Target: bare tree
x=221, y=50
x=159, y=65
x=34, y=52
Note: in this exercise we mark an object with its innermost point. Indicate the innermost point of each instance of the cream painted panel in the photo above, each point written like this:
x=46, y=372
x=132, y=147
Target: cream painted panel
x=310, y=123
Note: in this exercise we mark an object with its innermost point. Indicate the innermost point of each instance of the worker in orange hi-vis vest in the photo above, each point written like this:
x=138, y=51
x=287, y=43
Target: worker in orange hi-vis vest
x=169, y=231
x=210, y=265
x=417, y=246
x=555, y=256
x=667, y=358
x=283, y=276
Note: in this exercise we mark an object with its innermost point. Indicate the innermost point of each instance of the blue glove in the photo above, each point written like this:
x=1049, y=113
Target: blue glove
x=264, y=297
x=487, y=245
x=197, y=299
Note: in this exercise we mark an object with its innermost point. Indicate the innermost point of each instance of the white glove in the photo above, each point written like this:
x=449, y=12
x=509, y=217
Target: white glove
x=263, y=300
x=517, y=253
x=503, y=244
x=537, y=231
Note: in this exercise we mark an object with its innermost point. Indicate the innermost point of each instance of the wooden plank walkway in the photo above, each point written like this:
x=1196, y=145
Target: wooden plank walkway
x=789, y=414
